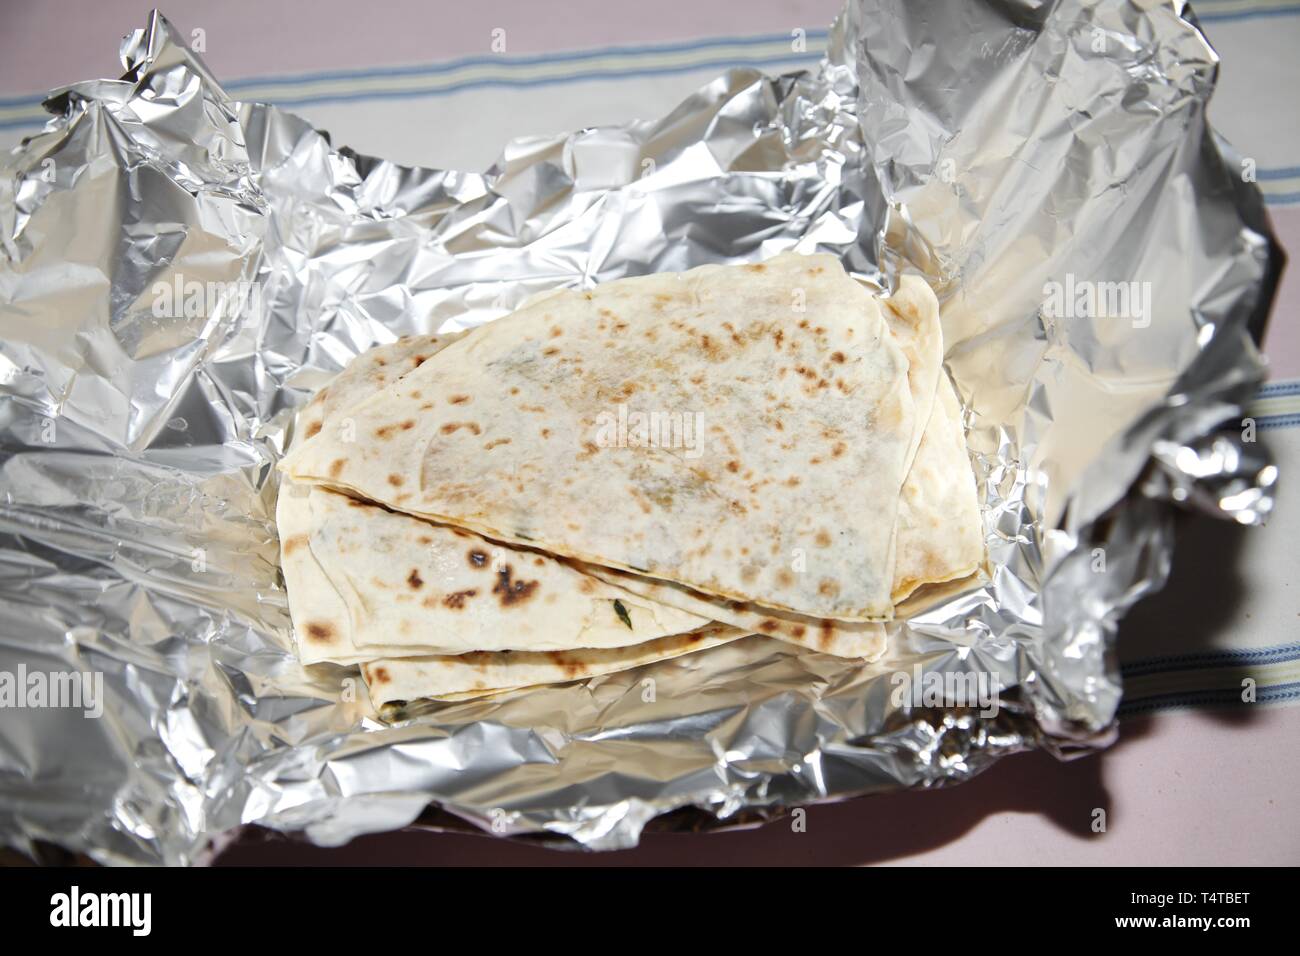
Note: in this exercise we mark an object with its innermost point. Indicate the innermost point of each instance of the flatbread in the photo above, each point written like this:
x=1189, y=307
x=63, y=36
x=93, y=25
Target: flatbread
x=428, y=589
x=320, y=615
x=939, y=538
x=321, y=631
x=857, y=639
x=366, y=583
x=912, y=314
x=455, y=678
x=520, y=432
x=940, y=527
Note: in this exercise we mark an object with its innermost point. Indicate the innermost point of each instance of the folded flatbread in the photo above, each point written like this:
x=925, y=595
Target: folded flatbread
x=939, y=541
x=912, y=314
x=436, y=611
x=427, y=589
x=940, y=528
x=863, y=639
x=777, y=482
x=454, y=678
x=366, y=583
x=316, y=608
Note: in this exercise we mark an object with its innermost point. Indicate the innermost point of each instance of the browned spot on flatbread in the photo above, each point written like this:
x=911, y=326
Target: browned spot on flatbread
x=823, y=538
x=509, y=591
x=828, y=587
x=495, y=442
x=452, y=427
x=457, y=599
x=458, y=399
x=826, y=635
x=905, y=310
x=837, y=358
x=785, y=578
x=320, y=632
x=478, y=559
x=313, y=429
x=712, y=351
x=395, y=480
x=379, y=675
x=570, y=667
x=769, y=626
x=336, y=467
x=293, y=544
x=414, y=579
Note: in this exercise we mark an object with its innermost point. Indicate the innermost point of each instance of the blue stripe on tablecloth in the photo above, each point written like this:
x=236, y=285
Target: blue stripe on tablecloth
x=1227, y=697
x=540, y=59
x=1259, y=14
x=1278, y=421
x=483, y=83
x=1282, y=172
x=541, y=80
x=1284, y=387
x=1229, y=657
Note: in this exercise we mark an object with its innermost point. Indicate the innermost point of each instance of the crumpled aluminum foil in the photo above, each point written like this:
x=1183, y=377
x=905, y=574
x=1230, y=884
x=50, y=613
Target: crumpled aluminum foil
x=996, y=146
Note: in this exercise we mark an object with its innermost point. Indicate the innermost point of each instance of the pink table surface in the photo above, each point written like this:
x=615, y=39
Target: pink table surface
x=1185, y=787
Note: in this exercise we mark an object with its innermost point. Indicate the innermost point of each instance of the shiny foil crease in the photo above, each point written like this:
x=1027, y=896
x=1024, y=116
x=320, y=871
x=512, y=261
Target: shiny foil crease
x=138, y=472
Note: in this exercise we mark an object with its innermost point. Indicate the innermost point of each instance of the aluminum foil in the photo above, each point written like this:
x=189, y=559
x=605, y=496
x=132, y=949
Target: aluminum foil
x=998, y=147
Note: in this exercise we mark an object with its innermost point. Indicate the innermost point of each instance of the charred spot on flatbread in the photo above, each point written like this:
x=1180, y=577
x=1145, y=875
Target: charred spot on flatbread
x=510, y=591
x=456, y=600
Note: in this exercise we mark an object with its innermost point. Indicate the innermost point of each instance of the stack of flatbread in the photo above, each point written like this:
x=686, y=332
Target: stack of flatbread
x=608, y=478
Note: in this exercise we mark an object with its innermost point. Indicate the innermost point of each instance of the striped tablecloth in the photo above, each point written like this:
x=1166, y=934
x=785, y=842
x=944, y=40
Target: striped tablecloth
x=429, y=84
